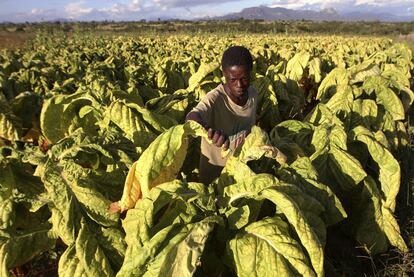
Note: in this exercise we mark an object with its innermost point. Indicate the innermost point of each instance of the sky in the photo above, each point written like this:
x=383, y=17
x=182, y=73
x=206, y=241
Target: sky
x=132, y=10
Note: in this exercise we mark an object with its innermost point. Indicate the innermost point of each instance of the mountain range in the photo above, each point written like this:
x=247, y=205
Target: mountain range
x=277, y=13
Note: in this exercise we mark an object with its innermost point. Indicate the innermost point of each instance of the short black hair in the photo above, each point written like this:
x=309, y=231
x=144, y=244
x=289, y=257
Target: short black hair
x=237, y=55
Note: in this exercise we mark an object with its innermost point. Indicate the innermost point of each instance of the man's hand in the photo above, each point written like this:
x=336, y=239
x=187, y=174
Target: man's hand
x=218, y=138
x=240, y=137
x=114, y=208
x=237, y=140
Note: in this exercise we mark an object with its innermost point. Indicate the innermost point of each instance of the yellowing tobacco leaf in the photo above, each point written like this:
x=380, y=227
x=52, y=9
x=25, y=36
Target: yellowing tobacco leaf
x=159, y=163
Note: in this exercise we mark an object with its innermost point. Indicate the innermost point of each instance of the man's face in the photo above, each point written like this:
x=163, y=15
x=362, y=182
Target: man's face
x=237, y=79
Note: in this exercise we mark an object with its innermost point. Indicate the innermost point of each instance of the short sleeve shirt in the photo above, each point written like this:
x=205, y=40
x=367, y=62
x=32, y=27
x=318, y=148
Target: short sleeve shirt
x=221, y=113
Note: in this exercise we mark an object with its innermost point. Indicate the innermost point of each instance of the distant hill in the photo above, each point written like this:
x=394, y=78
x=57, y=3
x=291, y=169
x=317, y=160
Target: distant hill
x=277, y=13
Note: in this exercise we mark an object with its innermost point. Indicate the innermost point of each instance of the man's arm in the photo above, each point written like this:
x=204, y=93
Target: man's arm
x=195, y=116
x=217, y=136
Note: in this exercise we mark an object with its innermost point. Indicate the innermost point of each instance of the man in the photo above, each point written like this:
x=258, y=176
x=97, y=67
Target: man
x=226, y=111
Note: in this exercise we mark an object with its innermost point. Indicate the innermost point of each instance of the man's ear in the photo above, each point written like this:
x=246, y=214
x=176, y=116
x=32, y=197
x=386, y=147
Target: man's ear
x=223, y=71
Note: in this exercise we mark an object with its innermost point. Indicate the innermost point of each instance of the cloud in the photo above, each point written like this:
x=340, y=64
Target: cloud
x=188, y=3
x=135, y=5
x=397, y=7
x=139, y=9
x=77, y=9
x=384, y=3
x=301, y=4
x=36, y=11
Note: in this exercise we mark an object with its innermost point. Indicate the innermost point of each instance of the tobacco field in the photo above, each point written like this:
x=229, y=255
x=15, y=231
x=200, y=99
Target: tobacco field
x=87, y=121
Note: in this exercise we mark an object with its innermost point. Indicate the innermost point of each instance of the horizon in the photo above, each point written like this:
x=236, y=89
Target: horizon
x=154, y=10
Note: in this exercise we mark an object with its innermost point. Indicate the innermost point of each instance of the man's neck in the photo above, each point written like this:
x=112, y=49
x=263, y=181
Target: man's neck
x=240, y=101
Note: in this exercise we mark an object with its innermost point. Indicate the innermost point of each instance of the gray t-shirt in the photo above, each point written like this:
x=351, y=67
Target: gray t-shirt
x=221, y=113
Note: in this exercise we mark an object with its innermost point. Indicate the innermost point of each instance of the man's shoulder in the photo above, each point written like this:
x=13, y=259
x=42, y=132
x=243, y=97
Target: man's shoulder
x=252, y=91
x=215, y=93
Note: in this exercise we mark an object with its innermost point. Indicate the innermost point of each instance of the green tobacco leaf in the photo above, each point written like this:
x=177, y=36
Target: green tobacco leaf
x=69, y=264
x=172, y=105
x=185, y=201
x=391, y=102
x=385, y=123
x=7, y=212
x=364, y=70
x=139, y=223
x=159, y=122
x=90, y=254
x=60, y=116
x=112, y=242
x=334, y=212
x=320, y=138
x=294, y=130
x=315, y=69
x=365, y=112
x=139, y=124
x=407, y=97
x=249, y=187
x=7, y=191
x=395, y=73
x=131, y=123
x=183, y=259
x=18, y=185
x=77, y=180
x=303, y=166
x=376, y=225
x=296, y=97
x=202, y=72
x=73, y=196
x=331, y=157
x=337, y=77
x=288, y=199
x=173, y=251
x=238, y=217
x=18, y=248
x=347, y=170
x=256, y=145
x=268, y=110
x=162, y=78
x=338, y=137
x=389, y=168
x=266, y=248
x=385, y=96
x=296, y=66
x=319, y=115
x=293, y=203
x=26, y=106
x=85, y=257
x=10, y=124
x=342, y=100
x=87, y=154
x=399, y=80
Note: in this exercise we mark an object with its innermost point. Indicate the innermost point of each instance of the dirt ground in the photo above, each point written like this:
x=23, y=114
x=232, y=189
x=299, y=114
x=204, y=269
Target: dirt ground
x=14, y=40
